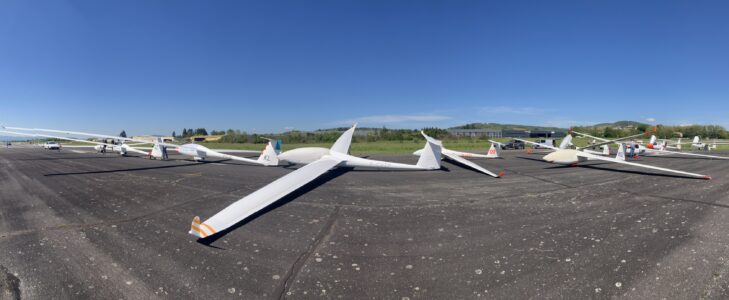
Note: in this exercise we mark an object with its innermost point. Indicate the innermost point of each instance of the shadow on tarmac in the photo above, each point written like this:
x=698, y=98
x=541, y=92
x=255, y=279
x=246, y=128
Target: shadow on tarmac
x=596, y=166
x=127, y=170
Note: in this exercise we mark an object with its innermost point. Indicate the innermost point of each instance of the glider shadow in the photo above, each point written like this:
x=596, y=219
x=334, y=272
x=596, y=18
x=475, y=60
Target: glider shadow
x=126, y=170
x=533, y=159
x=685, y=157
x=594, y=167
x=442, y=168
x=64, y=158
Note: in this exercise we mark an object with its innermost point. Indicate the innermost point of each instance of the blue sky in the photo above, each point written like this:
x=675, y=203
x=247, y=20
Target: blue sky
x=151, y=67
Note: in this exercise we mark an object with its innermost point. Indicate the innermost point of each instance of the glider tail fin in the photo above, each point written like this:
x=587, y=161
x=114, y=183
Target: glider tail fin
x=269, y=156
x=566, y=142
x=431, y=154
x=605, y=150
x=621, y=152
x=697, y=140
x=653, y=140
x=159, y=151
x=277, y=146
x=494, y=151
x=344, y=141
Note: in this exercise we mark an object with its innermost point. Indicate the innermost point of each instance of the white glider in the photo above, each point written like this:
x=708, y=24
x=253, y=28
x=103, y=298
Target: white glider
x=652, y=147
x=605, y=141
x=268, y=157
x=319, y=161
x=660, y=149
x=698, y=144
x=123, y=149
x=459, y=157
x=573, y=156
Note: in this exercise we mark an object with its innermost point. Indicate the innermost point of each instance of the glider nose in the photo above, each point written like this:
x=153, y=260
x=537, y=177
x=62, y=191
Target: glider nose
x=550, y=157
x=562, y=157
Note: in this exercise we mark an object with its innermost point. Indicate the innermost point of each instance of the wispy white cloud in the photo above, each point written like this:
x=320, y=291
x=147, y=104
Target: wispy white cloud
x=513, y=110
x=393, y=119
x=651, y=120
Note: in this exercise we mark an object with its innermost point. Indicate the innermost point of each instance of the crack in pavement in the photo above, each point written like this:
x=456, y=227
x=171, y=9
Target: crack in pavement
x=296, y=267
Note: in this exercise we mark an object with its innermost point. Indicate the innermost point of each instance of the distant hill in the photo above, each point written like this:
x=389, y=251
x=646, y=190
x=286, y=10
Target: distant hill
x=358, y=128
x=506, y=126
x=621, y=124
x=617, y=125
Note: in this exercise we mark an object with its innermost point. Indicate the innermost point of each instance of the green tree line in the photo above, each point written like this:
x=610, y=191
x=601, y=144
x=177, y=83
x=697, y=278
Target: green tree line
x=404, y=135
x=662, y=131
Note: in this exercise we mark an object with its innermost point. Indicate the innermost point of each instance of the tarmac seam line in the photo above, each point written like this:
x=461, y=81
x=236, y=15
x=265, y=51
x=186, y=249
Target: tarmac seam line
x=296, y=267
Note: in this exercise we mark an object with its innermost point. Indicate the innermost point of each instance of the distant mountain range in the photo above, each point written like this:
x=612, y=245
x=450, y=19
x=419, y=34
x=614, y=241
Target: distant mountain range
x=622, y=124
x=506, y=127
x=618, y=124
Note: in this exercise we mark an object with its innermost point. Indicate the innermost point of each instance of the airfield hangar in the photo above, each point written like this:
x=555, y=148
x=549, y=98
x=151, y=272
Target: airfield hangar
x=506, y=133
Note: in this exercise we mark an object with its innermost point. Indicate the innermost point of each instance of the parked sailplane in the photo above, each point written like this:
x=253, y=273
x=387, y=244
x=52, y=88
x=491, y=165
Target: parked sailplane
x=652, y=147
x=198, y=152
x=605, y=142
x=318, y=161
x=123, y=149
x=696, y=143
x=574, y=156
x=459, y=157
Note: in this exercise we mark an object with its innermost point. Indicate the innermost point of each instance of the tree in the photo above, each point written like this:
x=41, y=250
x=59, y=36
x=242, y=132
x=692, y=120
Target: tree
x=123, y=134
x=609, y=132
x=173, y=134
x=435, y=132
x=184, y=132
x=201, y=131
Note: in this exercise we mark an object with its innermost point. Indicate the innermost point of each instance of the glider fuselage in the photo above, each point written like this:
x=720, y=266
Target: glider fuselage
x=304, y=155
x=564, y=157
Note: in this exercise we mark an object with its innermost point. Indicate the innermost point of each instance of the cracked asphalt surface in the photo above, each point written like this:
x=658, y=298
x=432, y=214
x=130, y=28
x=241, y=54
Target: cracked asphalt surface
x=85, y=225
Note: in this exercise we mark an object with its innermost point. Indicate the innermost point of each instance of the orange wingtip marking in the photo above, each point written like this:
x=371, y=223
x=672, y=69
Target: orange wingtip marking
x=196, y=220
x=501, y=174
x=198, y=230
x=707, y=177
x=209, y=228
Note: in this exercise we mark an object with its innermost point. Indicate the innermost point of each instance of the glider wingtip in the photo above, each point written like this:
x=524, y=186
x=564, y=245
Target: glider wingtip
x=195, y=228
x=707, y=177
x=501, y=174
